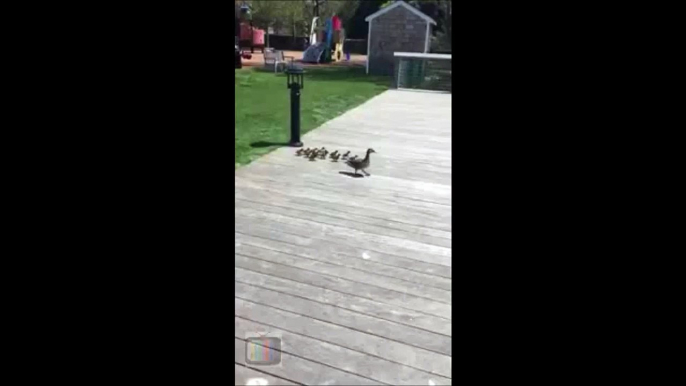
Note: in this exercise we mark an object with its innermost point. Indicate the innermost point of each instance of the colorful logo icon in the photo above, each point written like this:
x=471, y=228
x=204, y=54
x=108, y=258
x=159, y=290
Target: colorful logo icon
x=263, y=351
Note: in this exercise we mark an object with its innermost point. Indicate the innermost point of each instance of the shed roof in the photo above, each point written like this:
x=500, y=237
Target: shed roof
x=397, y=4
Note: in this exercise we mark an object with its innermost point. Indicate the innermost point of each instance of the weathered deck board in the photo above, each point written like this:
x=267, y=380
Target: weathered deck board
x=304, y=371
x=353, y=320
x=413, y=357
x=243, y=223
x=353, y=303
x=367, y=291
x=329, y=247
x=319, y=202
x=346, y=197
x=353, y=273
x=288, y=175
x=369, y=366
x=279, y=201
x=364, y=265
x=386, y=282
x=324, y=220
x=243, y=375
x=398, y=245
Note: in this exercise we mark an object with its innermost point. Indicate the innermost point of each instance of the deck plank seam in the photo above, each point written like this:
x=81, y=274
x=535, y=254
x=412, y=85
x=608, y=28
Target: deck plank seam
x=332, y=242
x=355, y=295
x=347, y=327
x=317, y=362
x=424, y=298
x=260, y=370
x=325, y=203
x=438, y=266
x=347, y=348
x=349, y=267
x=380, y=199
x=347, y=309
x=337, y=189
x=329, y=214
x=347, y=227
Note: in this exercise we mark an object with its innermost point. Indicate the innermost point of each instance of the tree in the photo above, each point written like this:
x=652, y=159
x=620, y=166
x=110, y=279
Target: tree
x=277, y=14
x=357, y=27
x=295, y=15
x=344, y=9
x=443, y=14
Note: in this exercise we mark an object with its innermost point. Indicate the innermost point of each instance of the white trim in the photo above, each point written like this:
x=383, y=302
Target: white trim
x=396, y=5
x=369, y=44
x=426, y=42
x=421, y=56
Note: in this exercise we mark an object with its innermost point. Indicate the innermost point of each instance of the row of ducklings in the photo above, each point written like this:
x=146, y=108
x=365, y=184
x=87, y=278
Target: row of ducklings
x=313, y=154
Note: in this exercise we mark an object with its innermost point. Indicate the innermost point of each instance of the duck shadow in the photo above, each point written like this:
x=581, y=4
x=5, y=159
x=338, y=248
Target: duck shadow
x=353, y=175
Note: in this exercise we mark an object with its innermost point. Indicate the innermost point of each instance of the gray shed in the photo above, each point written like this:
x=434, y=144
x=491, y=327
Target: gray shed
x=397, y=28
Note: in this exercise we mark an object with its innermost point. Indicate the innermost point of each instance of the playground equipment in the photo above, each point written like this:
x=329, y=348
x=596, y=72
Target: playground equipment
x=326, y=43
x=313, y=31
x=246, y=34
x=251, y=37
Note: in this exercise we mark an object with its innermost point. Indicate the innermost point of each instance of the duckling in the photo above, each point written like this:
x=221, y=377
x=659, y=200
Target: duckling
x=334, y=154
x=299, y=152
x=313, y=156
x=323, y=154
x=346, y=154
x=335, y=157
x=361, y=164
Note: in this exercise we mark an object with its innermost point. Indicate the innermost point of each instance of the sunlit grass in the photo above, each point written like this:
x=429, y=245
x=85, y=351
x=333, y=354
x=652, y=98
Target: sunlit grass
x=263, y=104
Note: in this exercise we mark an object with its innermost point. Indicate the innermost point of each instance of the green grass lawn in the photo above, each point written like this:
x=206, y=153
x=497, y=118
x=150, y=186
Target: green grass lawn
x=263, y=104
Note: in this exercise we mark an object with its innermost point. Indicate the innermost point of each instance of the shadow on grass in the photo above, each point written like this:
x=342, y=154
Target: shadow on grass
x=262, y=69
x=347, y=74
x=261, y=144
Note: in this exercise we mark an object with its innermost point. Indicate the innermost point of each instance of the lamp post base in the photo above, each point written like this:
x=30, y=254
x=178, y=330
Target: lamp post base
x=295, y=144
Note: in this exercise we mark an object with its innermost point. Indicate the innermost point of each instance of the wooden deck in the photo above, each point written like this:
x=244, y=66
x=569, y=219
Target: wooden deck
x=353, y=274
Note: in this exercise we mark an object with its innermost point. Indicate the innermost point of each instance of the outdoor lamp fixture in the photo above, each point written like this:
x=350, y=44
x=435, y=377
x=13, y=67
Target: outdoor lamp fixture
x=295, y=81
x=246, y=14
x=245, y=9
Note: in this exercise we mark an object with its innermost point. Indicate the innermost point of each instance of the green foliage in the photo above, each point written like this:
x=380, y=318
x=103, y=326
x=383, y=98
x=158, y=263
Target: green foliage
x=294, y=15
x=263, y=104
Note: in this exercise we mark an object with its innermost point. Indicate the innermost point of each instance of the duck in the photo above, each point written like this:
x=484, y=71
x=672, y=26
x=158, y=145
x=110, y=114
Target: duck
x=361, y=164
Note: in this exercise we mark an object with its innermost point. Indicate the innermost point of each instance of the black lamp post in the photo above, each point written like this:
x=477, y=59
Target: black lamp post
x=295, y=80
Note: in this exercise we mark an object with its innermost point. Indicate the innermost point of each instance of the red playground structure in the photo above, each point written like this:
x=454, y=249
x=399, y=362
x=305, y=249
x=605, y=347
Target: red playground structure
x=251, y=37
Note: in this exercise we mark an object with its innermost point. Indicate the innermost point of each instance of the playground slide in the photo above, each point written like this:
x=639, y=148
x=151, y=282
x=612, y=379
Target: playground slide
x=313, y=54
x=320, y=52
x=329, y=38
